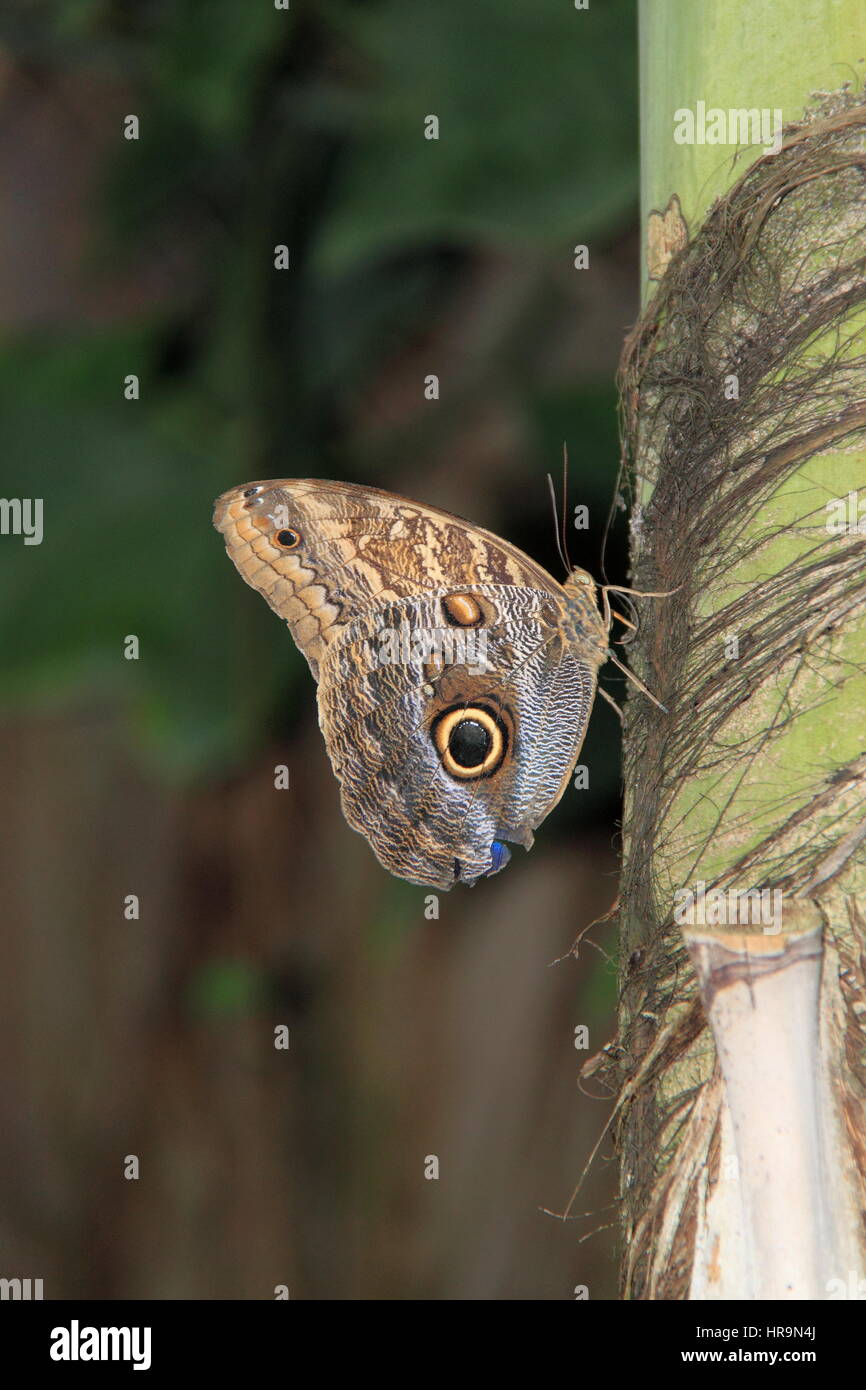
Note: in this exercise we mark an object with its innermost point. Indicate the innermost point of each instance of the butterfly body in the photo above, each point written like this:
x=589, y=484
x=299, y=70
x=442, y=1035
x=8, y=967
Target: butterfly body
x=455, y=676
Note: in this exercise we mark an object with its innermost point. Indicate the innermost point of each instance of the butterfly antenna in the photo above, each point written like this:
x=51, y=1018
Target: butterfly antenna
x=565, y=505
x=556, y=525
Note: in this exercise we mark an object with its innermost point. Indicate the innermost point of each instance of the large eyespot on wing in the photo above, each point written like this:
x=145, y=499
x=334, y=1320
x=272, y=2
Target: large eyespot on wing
x=472, y=739
x=423, y=824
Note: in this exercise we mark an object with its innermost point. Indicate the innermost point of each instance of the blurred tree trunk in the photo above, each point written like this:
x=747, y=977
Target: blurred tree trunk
x=740, y=1122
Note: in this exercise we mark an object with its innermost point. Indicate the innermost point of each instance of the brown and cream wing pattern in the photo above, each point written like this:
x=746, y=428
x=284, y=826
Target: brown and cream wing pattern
x=452, y=696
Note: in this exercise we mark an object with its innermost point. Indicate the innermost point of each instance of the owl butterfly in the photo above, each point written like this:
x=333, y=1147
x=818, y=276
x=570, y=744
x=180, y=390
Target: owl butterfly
x=455, y=676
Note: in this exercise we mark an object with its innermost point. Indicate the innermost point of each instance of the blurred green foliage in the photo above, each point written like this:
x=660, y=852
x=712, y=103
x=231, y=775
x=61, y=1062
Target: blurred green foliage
x=260, y=127
x=227, y=989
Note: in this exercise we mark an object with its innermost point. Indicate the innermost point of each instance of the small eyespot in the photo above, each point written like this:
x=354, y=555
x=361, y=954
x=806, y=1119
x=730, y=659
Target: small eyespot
x=288, y=539
x=251, y=491
x=462, y=610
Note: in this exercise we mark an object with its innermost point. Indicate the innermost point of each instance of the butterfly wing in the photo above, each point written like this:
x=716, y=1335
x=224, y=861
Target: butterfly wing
x=442, y=760
x=348, y=568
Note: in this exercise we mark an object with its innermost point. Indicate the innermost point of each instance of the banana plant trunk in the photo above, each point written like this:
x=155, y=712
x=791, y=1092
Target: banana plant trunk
x=741, y=1057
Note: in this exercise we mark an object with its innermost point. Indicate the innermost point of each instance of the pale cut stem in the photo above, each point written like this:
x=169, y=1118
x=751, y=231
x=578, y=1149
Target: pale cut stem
x=782, y=1229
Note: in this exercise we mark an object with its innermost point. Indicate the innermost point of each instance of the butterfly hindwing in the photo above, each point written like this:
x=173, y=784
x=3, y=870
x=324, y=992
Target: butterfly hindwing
x=399, y=713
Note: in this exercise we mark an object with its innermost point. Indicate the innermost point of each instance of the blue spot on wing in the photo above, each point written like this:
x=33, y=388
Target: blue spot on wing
x=499, y=857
